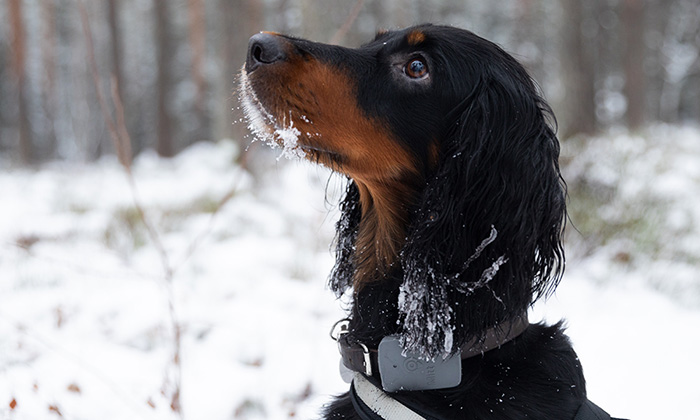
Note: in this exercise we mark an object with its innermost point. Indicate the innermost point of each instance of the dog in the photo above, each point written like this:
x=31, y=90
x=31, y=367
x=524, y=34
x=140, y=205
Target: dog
x=450, y=227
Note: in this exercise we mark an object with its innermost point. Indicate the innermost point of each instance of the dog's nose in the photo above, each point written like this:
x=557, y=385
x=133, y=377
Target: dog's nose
x=264, y=48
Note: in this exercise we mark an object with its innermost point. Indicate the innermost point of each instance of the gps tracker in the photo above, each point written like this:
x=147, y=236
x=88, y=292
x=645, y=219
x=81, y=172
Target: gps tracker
x=410, y=373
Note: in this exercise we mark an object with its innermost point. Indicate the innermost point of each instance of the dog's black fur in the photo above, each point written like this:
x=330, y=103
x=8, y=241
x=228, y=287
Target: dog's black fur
x=445, y=139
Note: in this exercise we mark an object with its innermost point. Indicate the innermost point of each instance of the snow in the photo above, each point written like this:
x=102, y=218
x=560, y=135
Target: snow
x=264, y=126
x=423, y=310
x=85, y=326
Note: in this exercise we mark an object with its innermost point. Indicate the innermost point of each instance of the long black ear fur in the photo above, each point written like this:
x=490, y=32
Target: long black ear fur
x=485, y=242
x=342, y=275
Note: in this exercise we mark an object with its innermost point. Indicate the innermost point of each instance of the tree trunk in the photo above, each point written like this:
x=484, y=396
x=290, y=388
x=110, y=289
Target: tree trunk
x=196, y=34
x=233, y=47
x=197, y=38
x=632, y=16
x=115, y=36
x=48, y=59
x=26, y=147
x=164, y=51
x=579, y=73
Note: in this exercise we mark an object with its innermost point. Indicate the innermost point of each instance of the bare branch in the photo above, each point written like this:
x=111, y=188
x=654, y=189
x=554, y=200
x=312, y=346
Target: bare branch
x=122, y=144
x=90, y=52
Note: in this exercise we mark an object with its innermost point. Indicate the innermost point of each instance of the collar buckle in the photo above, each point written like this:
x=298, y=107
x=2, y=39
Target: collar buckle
x=338, y=332
x=367, y=359
x=339, y=329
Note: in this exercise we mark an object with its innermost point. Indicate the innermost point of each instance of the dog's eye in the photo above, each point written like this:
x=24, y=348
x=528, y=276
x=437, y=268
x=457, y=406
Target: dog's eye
x=416, y=68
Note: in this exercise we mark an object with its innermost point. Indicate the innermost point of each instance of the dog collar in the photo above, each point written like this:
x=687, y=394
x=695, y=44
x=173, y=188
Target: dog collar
x=371, y=403
x=358, y=357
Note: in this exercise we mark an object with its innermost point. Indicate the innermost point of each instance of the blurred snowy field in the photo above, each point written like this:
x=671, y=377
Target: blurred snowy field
x=86, y=326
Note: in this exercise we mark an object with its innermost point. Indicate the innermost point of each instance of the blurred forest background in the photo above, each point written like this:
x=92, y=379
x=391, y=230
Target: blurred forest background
x=173, y=64
x=144, y=303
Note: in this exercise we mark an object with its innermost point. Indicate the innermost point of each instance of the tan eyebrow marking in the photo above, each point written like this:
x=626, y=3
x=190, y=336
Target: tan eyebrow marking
x=415, y=38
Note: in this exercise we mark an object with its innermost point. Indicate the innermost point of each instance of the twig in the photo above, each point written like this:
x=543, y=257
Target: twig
x=343, y=30
x=122, y=143
x=90, y=51
x=194, y=245
x=123, y=147
x=123, y=140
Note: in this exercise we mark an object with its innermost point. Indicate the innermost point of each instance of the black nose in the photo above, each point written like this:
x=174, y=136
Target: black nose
x=264, y=48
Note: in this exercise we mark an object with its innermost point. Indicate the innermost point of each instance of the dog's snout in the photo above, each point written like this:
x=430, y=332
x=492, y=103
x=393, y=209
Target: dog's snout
x=264, y=48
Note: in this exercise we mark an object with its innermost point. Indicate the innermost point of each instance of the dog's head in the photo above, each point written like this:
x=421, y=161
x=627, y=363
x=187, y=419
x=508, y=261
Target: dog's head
x=455, y=189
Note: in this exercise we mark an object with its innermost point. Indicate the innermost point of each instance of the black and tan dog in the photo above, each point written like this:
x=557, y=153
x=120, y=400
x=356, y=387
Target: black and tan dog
x=452, y=220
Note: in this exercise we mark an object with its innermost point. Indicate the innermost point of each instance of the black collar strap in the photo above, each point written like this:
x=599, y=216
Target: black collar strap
x=359, y=358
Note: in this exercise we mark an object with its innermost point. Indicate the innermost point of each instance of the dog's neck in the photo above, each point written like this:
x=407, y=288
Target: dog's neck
x=382, y=228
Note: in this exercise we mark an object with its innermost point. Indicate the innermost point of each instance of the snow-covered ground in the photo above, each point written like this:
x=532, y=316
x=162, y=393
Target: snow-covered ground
x=87, y=307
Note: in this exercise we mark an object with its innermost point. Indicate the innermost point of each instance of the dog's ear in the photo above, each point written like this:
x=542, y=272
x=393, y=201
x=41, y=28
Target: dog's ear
x=342, y=275
x=485, y=241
